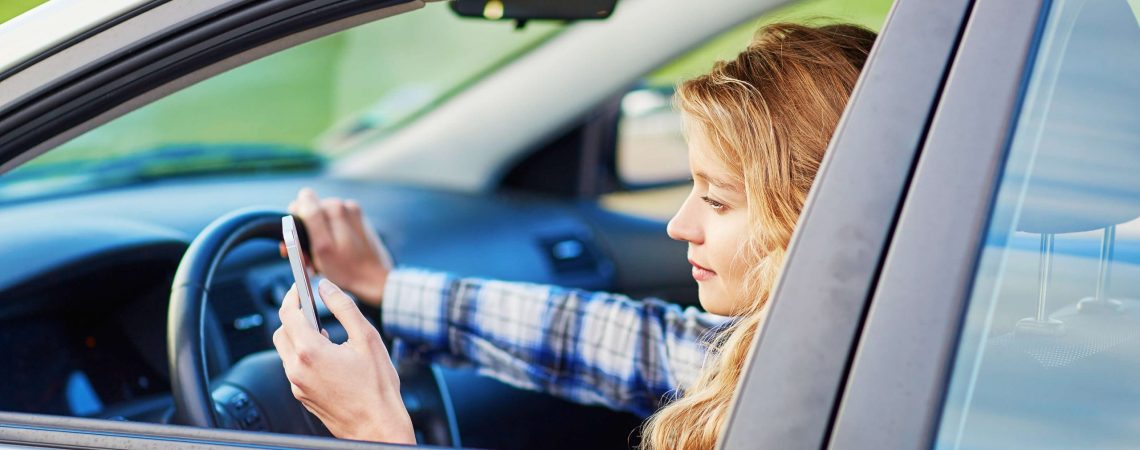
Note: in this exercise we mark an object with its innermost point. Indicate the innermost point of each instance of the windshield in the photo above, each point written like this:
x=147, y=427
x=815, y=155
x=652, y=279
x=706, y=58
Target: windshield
x=290, y=111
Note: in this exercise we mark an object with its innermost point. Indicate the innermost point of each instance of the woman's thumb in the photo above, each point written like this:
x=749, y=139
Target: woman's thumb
x=345, y=310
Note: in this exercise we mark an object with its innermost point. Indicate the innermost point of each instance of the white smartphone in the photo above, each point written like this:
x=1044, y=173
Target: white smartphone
x=300, y=271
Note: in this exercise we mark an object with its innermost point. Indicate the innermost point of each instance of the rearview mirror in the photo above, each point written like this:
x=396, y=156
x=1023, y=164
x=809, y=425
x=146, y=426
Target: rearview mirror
x=534, y=9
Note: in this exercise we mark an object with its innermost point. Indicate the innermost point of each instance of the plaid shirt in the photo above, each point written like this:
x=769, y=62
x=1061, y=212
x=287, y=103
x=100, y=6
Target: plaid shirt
x=588, y=347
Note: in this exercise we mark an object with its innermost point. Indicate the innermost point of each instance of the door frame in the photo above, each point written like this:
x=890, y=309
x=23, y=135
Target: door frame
x=794, y=377
x=895, y=392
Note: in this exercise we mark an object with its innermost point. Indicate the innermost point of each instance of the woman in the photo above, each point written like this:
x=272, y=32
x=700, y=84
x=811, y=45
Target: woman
x=757, y=128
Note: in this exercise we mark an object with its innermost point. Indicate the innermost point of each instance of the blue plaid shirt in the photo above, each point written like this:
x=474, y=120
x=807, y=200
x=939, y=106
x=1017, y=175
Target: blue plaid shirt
x=588, y=347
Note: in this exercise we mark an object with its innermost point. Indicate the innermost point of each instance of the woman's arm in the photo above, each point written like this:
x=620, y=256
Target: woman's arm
x=588, y=347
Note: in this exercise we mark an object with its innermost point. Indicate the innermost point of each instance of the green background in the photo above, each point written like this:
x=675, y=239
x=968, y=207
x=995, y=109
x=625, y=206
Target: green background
x=12, y=8
x=381, y=75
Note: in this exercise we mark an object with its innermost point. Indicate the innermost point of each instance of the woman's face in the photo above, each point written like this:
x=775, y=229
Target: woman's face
x=714, y=221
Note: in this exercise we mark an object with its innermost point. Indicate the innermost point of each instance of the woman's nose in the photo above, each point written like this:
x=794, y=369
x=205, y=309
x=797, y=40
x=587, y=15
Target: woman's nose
x=684, y=227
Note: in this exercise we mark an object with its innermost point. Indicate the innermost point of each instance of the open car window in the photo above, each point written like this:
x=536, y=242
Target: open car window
x=290, y=111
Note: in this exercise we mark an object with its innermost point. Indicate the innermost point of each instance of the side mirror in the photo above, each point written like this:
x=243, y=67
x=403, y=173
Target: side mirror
x=651, y=148
x=524, y=10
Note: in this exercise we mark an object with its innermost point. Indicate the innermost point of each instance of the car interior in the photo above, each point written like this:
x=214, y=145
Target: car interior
x=142, y=269
x=142, y=274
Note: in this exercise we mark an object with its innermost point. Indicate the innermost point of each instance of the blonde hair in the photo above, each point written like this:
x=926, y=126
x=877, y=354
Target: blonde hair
x=769, y=114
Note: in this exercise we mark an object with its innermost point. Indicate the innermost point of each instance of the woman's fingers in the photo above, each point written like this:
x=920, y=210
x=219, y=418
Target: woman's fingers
x=345, y=386
x=356, y=217
x=285, y=351
x=321, y=239
x=340, y=221
x=297, y=328
x=291, y=300
x=346, y=312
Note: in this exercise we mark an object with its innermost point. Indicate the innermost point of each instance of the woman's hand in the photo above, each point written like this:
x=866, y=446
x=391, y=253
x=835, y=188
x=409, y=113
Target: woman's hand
x=352, y=387
x=343, y=245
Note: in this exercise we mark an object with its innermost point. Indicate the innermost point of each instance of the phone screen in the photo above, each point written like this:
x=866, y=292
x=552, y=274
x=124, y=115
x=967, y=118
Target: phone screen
x=300, y=271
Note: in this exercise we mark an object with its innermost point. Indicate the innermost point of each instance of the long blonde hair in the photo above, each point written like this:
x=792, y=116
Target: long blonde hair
x=769, y=114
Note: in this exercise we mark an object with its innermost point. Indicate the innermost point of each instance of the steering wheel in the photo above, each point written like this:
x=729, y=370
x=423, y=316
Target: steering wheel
x=254, y=393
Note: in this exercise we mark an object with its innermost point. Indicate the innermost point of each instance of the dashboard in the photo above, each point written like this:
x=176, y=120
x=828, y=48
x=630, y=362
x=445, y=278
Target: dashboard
x=72, y=365
x=85, y=282
x=89, y=339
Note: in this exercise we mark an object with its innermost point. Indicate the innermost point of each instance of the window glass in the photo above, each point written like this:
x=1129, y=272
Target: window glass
x=288, y=111
x=652, y=156
x=1049, y=355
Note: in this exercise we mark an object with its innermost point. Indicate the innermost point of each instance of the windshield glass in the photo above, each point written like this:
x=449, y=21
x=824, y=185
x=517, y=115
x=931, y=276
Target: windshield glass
x=293, y=110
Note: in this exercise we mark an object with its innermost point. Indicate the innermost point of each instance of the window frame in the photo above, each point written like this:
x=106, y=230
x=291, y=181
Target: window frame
x=900, y=372
x=788, y=398
x=59, y=80
x=42, y=431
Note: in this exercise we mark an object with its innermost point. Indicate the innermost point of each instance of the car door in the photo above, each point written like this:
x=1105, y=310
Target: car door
x=1004, y=314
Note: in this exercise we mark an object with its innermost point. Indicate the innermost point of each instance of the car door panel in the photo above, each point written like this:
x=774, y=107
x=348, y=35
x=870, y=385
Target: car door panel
x=36, y=431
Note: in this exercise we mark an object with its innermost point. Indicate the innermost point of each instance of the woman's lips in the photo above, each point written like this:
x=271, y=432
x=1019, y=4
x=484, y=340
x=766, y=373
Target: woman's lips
x=700, y=273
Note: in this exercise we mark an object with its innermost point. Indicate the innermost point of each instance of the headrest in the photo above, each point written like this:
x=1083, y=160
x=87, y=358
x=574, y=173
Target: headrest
x=1086, y=171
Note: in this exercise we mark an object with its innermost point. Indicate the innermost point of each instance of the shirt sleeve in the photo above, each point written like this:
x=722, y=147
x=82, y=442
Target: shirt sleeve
x=588, y=347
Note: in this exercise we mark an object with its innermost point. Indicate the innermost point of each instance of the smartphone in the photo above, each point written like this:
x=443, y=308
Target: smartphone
x=300, y=271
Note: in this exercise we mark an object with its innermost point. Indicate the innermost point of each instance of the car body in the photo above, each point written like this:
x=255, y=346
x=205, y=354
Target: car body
x=875, y=334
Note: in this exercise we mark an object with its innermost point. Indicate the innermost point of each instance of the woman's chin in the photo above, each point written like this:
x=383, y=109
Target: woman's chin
x=713, y=300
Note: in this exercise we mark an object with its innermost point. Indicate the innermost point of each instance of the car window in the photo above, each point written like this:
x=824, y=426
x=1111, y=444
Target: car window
x=289, y=111
x=652, y=158
x=1049, y=354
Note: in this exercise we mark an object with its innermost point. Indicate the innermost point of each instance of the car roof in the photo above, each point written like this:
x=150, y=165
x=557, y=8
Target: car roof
x=53, y=23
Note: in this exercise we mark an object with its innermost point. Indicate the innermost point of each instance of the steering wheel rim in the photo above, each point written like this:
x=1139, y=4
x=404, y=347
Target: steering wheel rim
x=193, y=404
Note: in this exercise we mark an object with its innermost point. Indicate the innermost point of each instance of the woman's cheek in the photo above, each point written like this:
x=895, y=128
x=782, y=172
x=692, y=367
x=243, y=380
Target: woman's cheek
x=739, y=266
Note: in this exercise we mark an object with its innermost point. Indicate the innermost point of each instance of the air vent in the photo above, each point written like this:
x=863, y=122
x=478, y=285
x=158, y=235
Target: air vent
x=570, y=255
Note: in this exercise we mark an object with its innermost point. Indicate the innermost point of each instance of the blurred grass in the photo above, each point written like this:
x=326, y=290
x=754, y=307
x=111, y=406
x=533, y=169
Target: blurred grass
x=868, y=13
x=13, y=8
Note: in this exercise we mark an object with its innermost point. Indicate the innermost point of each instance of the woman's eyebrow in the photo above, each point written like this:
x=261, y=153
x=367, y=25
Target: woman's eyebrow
x=720, y=183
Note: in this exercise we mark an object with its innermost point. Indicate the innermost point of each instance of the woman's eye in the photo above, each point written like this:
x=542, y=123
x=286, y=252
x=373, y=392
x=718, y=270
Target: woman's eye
x=717, y=206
